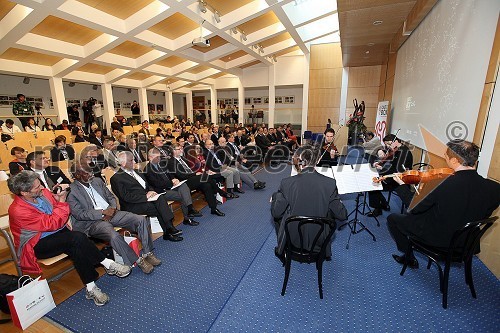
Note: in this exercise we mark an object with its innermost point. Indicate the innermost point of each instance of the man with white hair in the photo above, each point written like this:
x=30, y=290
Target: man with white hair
x=136, y=196
x=214, y=164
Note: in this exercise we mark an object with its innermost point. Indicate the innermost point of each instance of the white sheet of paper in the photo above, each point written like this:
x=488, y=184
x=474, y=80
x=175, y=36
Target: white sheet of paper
x=155, y=197
x=325, y=171
x=180, y=183
x=356, y=178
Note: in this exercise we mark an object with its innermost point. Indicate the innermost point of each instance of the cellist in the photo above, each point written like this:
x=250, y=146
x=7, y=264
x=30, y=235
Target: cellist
x=398, y=158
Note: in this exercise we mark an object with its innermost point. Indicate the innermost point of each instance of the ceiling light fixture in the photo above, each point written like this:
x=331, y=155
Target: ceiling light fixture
x=370, y=44
x=26, y=80
x=154, y=93
x=71, y=84
x=243, y=36
x=203, y=6
x=377, y=22
x=94, y=87
x=274, y=58
x=217, y=16
x=261, y=49
x=367, y=52
x=234, y=30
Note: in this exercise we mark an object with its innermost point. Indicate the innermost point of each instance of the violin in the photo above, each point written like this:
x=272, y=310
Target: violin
x=412, y=177
x=330, y=147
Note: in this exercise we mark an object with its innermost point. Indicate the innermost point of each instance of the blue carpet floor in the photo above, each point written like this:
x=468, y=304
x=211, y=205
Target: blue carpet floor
x=224, y=278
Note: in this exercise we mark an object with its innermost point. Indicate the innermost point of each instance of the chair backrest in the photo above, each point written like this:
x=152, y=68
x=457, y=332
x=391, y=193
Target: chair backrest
x=314, y=235
x=260, y=114
x=465, y=241
x=422, y=166
x=307, y=135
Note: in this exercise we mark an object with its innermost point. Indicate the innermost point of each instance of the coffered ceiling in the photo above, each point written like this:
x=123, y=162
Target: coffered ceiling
x=148, y=43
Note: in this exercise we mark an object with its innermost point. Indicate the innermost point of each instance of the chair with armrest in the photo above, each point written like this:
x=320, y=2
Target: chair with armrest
x=463, y=245
x=314, y=234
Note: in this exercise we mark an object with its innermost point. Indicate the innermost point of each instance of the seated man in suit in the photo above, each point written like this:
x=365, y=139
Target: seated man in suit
x=38, y=220
x=225, y=154
x=109, y=152
x=96, y=138
x=160, y=181
x=461, y=198
x=264, y=144
x=307, y=194
x=177, y=167
x=159, y=144
x=134, y=192
x=94, y=212
x=214, y=164
x=50, y=176
x=132, y=147
x=61, y=151
x=145, y=128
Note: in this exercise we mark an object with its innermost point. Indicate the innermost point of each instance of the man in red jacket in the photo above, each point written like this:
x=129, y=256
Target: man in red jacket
x=39, y=223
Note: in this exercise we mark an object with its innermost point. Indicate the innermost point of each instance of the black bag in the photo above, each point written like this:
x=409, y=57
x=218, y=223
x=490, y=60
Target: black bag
x=9, y=283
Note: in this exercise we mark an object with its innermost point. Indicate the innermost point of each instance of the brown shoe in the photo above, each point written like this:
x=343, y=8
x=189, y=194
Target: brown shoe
x=152, y=259
x=144, y=265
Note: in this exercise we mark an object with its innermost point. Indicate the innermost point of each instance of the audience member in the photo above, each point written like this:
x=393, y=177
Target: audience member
x=50, y=176
x=48, y=125
x=31, y=127
x=10, y=129
x=61, y=151
x=19, y=163
x=23, y=110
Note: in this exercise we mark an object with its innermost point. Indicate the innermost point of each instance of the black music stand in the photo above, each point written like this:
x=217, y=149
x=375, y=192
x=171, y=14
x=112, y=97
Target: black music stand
x=356, y=178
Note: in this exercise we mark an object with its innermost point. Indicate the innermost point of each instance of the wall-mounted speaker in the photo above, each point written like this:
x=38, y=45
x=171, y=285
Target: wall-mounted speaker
x=26, y=80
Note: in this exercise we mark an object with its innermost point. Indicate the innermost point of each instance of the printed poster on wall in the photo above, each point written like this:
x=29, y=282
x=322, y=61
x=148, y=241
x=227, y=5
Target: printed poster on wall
x=381, y=120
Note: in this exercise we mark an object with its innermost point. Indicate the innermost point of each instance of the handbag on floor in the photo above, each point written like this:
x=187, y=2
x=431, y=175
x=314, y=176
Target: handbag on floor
x=133, y=242
x=30, y=302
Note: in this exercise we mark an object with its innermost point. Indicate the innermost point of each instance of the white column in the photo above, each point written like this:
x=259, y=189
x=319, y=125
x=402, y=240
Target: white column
x=108, y=110
x=169, y=101
x=58, y=99
x=143, y=102
x=213, y=104
x=272, y=94
x=241, y=101
x=343, y=95
x=305, y=95
x=189, y=104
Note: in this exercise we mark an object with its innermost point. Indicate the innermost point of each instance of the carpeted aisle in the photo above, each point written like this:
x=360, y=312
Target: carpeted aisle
x=224, y=278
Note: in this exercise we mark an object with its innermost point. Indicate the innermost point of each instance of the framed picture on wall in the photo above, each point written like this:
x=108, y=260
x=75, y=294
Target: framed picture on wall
x=151, y=108
x=266, y=99
x=248, y=100
x=289, y=99
x=116, y=105
x=235, y=101
x=257, y=100
x=228, y=101
x=126, y=105
x=278, y=100
x=159, y=108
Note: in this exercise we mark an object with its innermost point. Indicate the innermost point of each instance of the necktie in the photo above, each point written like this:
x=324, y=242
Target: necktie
x=184, y=165
x=136, y=155
x=216, y=158
x=49, y=181
x=236, y=150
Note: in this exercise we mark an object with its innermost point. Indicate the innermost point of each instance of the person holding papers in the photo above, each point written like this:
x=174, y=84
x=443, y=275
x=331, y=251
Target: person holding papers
x=172, y=189
x=134, y=194
x=306, y=194
x=94, y=212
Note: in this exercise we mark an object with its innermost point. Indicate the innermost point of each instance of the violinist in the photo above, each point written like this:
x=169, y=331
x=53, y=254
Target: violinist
x=397, y=158
x=328, y=153
x=462, y=198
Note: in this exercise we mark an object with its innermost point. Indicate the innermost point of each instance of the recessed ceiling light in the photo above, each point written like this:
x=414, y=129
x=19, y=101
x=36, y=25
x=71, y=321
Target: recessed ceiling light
x=367, y=52
x=377, y=22
x=370, y=44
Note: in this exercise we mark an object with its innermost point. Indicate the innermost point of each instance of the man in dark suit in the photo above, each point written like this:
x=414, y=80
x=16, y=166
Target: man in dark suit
x=134, y=192
x=78, y=126
x=461, y=198
x=161, y=182
x=96, y=138
x=177, y=167
x=94, y=212
x=402, y=160
x=307, y=194
x=240, y=139
x=132, y=147
x=49, y=176
x=216, y=165
x=215, y=135
x=158, y=143
x=263, y=143
x=61, y=151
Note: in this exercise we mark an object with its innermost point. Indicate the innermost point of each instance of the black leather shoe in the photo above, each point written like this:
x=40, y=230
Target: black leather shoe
x=413, y=263
x=191, y=222
x=376, y=212
x=194, y=213
x=258, y=186
x=231, y=195
x=386, y=208
x=217, y=212
x=237, y=189
x=172, y=238
x=174, y=231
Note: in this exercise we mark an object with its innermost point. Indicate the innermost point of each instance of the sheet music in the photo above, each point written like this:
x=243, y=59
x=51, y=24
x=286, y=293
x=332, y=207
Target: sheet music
x=356, y=178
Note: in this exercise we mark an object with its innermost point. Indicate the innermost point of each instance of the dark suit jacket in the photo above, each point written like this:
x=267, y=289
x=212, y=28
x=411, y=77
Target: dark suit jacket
x=240, y=141
x=262, y=142
x=158, y=178
x=215, y=138
x=83, y=214
x=308, y=194
x=462, y=198
x=176, y=170
x=93, y=139
x=211, y=162
x=129, y=191
x=56, y=155
x=54, y=174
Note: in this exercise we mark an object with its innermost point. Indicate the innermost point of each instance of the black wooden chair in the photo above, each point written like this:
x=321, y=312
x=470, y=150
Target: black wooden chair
x=311, y=247
x=463, y=245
